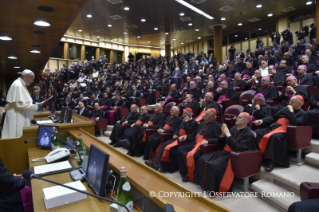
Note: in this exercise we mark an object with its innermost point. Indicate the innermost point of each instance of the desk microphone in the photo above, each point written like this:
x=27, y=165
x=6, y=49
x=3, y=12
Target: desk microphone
x=28, y=175
x=27, y=141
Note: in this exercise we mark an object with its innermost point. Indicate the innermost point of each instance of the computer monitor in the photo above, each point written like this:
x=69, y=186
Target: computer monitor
x=62, y=114
x=44, y=139
x=68, y=116
x=97, y=170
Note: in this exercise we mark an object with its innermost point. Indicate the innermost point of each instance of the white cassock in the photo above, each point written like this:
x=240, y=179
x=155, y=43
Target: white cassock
x=44, y=141
x=20, y=110
x=92, y=172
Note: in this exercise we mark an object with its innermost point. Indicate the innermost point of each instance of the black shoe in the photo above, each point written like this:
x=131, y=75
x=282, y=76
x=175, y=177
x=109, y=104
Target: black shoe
x=124, y=142
x=112, y=143
x=116, y=145
x=151, y=164
x=270, y=166
x=130, y=154
x=185, y=179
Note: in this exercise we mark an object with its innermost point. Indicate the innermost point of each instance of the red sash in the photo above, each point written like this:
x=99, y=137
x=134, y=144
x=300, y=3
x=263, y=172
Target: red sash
x=282, y=129
x=200, y=117
x=165, y=156
x=144, y=137
x=139, y=122
x=190, y=157
x=166, y=127
x=93, y=118
x=228, y=176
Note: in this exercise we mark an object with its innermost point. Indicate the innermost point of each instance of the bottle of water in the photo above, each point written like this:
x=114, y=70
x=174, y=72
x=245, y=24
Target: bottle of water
x=81, y=148
x=53, y=140
x=124, y=192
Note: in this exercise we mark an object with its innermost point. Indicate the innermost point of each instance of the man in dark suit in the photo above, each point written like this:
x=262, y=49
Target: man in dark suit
x=83, y=111
x=36, y=97
x=10, y=186
x=173, y=94
x=148, y=92
x=194, y=90
x=68, y=102
x=134, y=94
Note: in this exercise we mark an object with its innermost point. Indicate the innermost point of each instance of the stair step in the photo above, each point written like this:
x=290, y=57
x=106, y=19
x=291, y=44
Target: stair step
x=109, y=127
x=293, y=176
x=314, y=146
x=313, y=159
x=107, y=133
x=276, y=194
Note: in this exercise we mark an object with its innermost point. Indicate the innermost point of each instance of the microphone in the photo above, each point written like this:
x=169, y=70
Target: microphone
x=28, y=175
x=27, y=141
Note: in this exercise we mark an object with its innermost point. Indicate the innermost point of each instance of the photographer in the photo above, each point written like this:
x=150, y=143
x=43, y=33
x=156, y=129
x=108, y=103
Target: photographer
x=259, y=43
x=312, y=32
x=300, y=34
x=232, y=51
x=287, y=36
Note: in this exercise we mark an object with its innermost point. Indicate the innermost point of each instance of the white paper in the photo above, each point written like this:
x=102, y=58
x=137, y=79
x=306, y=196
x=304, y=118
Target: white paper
x=46, y=100
x=45, y=122
x=52, y=167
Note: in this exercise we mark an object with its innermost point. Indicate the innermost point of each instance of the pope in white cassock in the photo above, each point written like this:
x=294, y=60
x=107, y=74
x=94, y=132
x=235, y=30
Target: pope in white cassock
x=44, y=141
x=20, y=108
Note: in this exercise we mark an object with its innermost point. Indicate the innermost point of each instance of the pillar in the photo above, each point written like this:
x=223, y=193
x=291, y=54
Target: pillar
x=167, y=49
x=317, y=21
x=82, y=52
x=97, y=53
x=218, y=42
x=66, y=51
x=111, y=56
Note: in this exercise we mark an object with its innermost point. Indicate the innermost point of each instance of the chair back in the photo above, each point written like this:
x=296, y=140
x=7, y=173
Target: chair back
x=234, y=110
x=246, y=97
x=168, y=106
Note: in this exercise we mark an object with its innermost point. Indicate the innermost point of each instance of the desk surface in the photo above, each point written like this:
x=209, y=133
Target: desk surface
x=146, y=179
x=89, y=204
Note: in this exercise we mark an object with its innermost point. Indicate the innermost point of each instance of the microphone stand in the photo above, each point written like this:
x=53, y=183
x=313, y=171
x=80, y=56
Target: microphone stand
x=83, y=192
x=60, y=139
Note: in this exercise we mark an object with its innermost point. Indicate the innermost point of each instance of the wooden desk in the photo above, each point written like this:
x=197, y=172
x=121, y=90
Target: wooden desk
x=13, y=151
x=87, y=205
x=146, y=179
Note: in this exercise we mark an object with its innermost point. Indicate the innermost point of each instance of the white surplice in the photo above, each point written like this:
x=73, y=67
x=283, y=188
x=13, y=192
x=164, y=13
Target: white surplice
x=20, y=110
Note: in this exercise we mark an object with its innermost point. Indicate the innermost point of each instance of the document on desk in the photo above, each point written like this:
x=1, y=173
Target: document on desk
x=53, y=167
x=45, y=122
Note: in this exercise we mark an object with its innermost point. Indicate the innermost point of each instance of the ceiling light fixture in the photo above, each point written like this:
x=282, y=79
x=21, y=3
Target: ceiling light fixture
x=182, y=43
x=194, y=8
x=236, y=35
x=166, y=33
x=240, y=24
x=174, y=38
x=259, y=28
x=138, y=36
x=126, y=8
x=155, y=28
x=246, y=38
x=5, y=38
x=270, y=14
x=181, y=14
x=35, y=51
x=125, y=33
x=259, y=6
x=80, y=30
x=148, y=41
x=143, y=20
x=97, y=36
x=308, y=2
x=109, y=25
x=199, y=37
x=16, y=67
x=41, y=23
x=12, y=57
x=196, y=30
x=223, y=19
x=190, y=24
x=89, y=15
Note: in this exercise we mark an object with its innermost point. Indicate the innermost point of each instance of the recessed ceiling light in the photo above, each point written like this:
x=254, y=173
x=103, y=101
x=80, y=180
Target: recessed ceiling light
x=258, y=5
x=143, y=20
x=138, y=36
x=196, y=30
x=182, y=43
x=125, y=33
x=181, y=14
x=89, y=15
x=236, y=35
x=246, y=38
x=19, y=72
x=155, y=28
x=16, y=67
x=109, y=25
x=35, y=51
x=80, y=30
x=166, y=33
x=270, y=14
x=5, y=38
x=41, y=23
x=126, y=8
x=186, y=4
x=259, y=28
x=148, y=41
x=174, y=38
x=223, y=19
x=308, y=2
x=12, y=57
x=97, y=36
x=190, y=24
x=240, y=24
x=199, y=37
